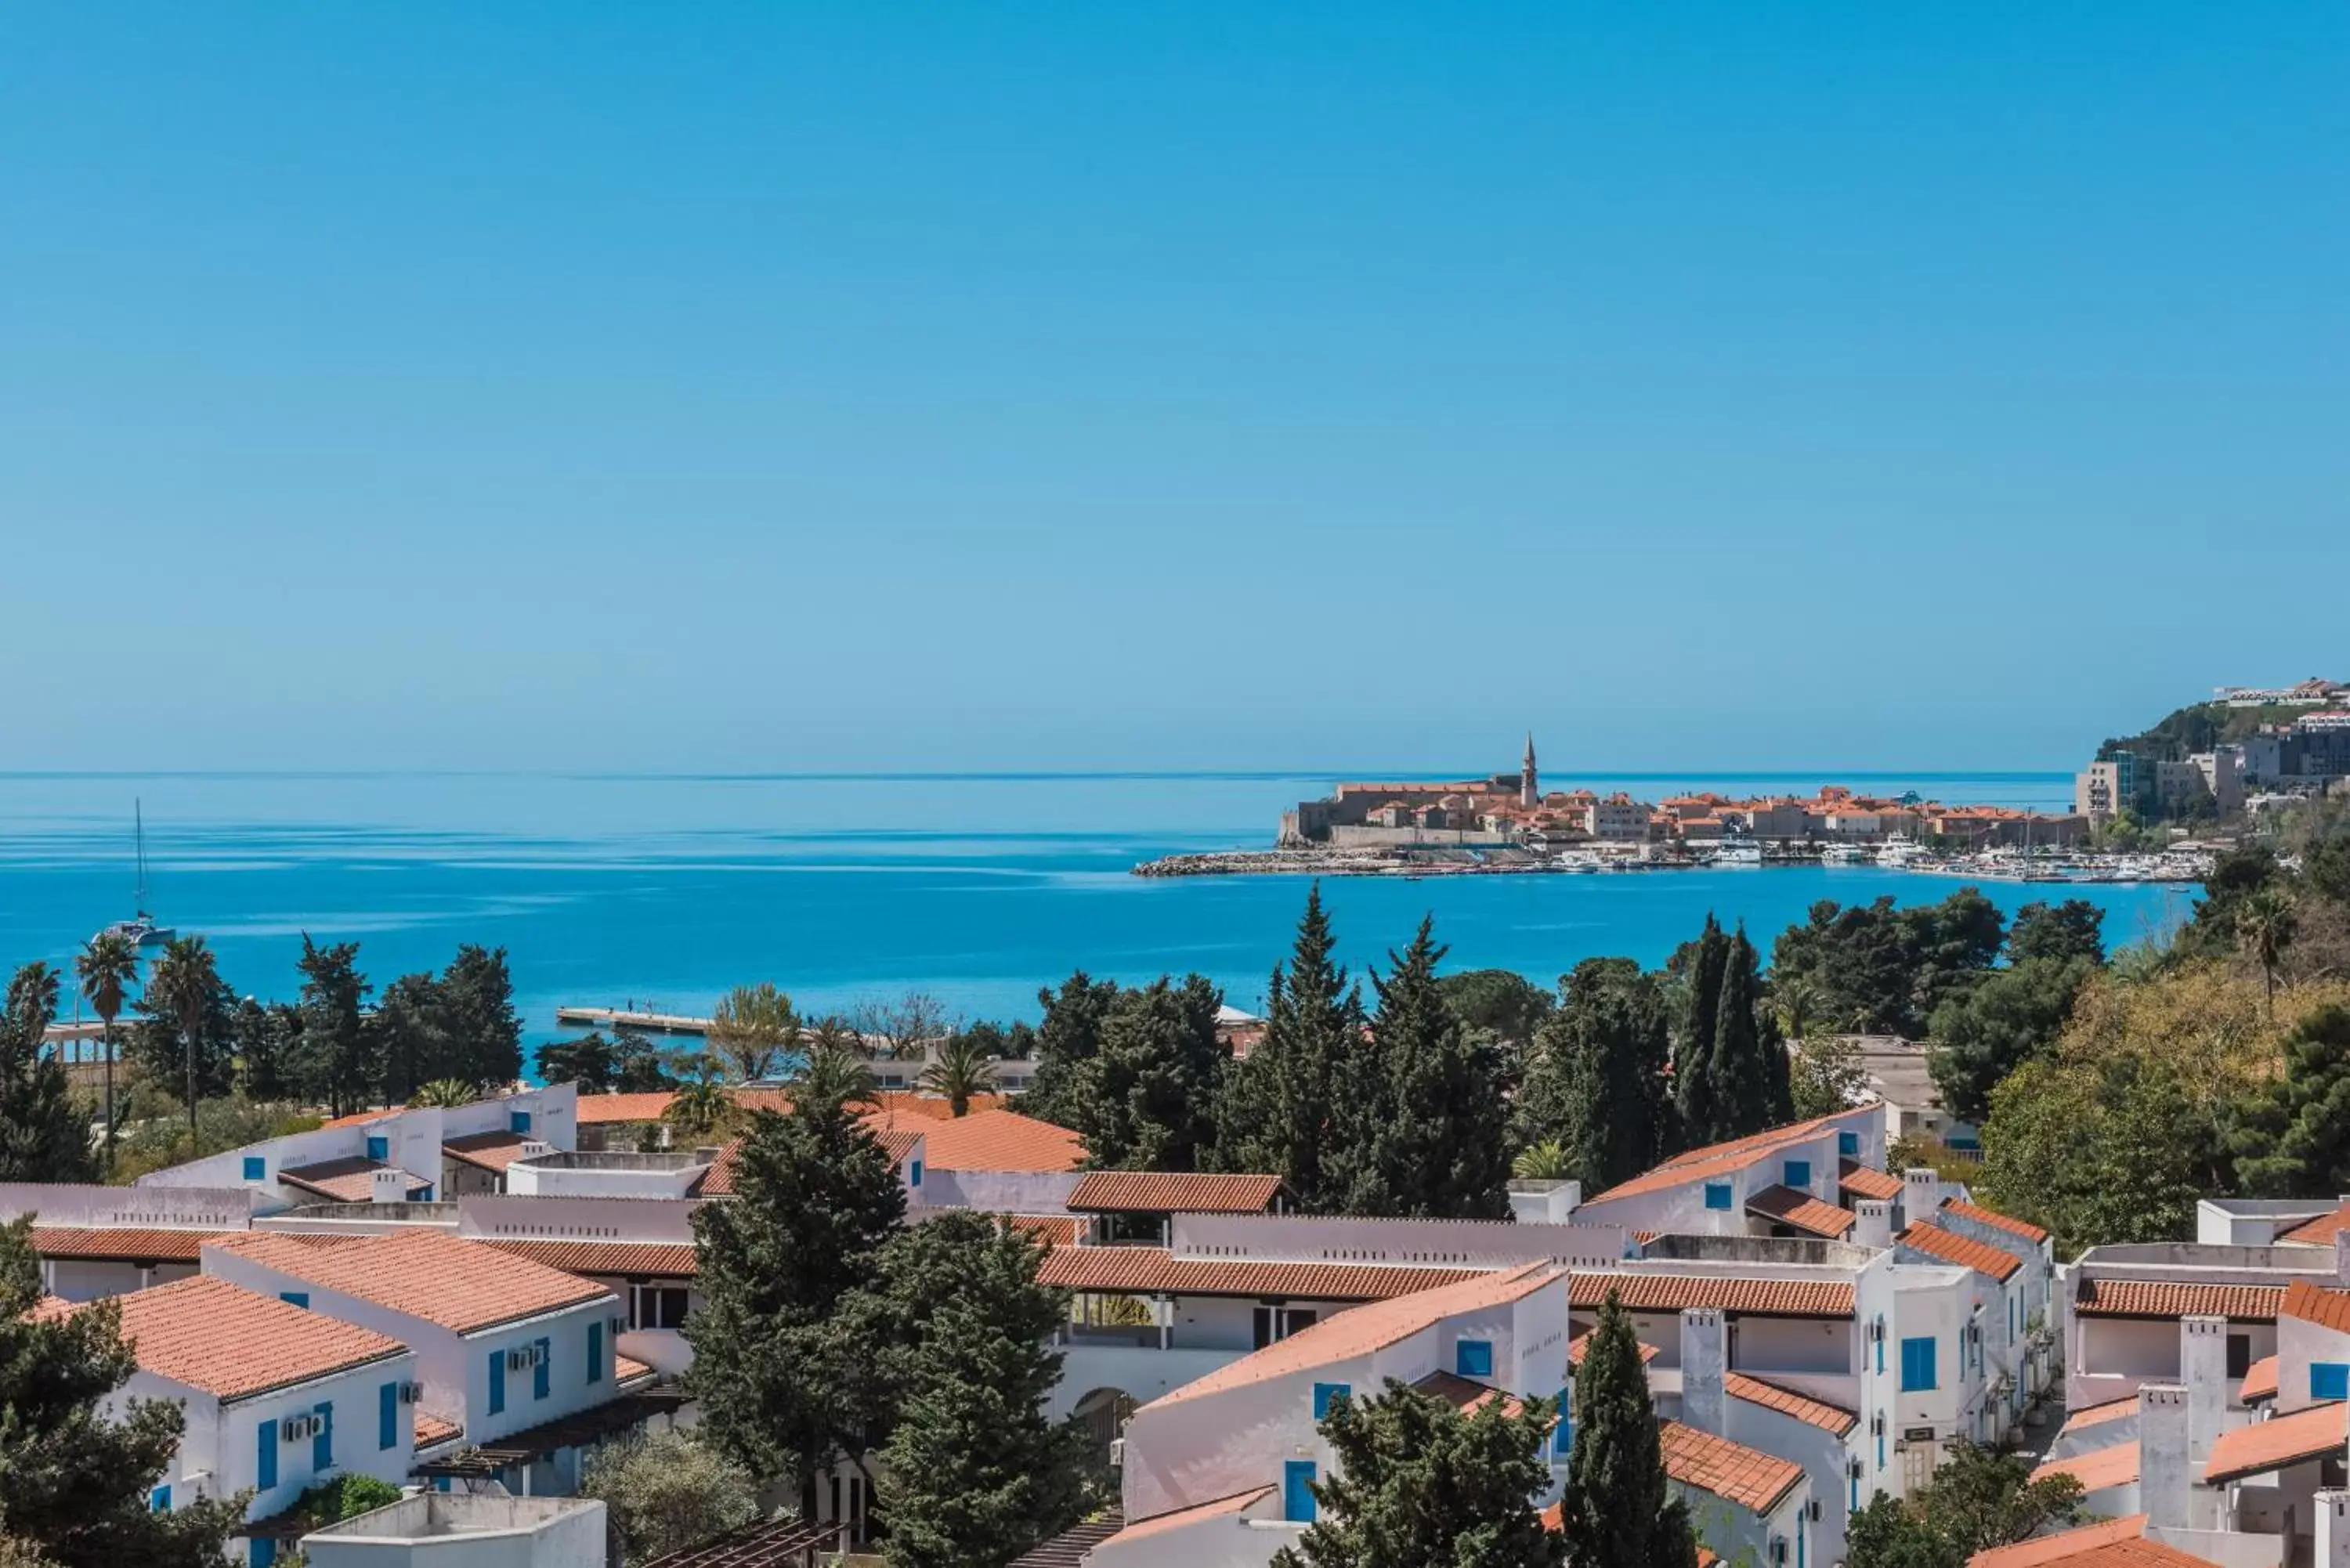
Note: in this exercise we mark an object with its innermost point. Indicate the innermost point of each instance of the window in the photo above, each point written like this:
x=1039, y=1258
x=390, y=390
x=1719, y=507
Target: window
x=2239, y=1355
x=1274, y=1323
x=322, y=1447
x=518, y=1121
x=1880, y=1358
x=1297, y=1491
x=913, y=1173
x=2329, y=1379
x=1716, y=1195
x=543, y=1369
x=1473, y=1359
x=1325, y=1392
x=657, y=1306
x=256, y=1169
x=1918, y=1363
x=265, y=1455
x=1848, y=1145
x=497, y=1382
x=1797, y=1174
x=387, y=1416
x=294, y=1298
x=378, y=1150
x=160, y=1500
x=1562, y=1436
x=594, y=1353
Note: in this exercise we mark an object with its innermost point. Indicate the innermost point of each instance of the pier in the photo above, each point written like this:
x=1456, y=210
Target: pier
x=571, y=1017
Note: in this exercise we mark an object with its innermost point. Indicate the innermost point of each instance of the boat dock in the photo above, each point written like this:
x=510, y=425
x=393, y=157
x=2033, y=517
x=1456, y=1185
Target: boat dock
x=624, y=1018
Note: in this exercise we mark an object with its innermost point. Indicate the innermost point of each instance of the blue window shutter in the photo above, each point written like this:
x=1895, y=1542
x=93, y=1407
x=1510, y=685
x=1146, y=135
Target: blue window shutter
x=497, y=1382
x=261, y=1552
x=378, y=1148
x=294, y=1298
x=1880, y=1358
x=544, y=1370
x=518, y=1121
x=1848, y=1145
x=256, y=1169
x=1716, y=1195
x=1797, y=1173
x=2329, y=1380
x=1917, y=1369
x=322, y=1447
x=387, y=1416
x=594, y=1353
x=1325, y=1392
x=1562, y=1436
x=265, y=1455
x=1473, y=1357
x=914, y=1173
x=1297, y=1491
x=160, y=1500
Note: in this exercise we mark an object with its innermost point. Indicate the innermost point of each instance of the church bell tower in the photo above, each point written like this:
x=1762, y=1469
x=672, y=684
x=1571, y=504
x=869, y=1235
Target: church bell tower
x=1529, y=788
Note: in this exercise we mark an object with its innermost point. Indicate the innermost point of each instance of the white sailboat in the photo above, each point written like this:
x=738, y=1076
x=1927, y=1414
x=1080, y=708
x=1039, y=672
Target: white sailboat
x=141, y=930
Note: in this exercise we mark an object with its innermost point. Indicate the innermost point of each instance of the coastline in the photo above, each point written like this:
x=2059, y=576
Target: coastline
x=2074, y=867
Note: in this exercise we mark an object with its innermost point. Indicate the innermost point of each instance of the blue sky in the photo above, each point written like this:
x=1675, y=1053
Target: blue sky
x=779, y=386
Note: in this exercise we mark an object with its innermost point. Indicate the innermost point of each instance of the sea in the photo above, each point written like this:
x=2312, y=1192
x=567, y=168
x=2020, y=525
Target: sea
x=660, y=891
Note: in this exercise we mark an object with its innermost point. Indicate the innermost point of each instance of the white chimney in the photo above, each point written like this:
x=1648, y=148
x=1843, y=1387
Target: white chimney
x=1872, y=1226
x=1921, y=1194
x=2164, y=1472
x=532, y=1147
x=2342, y=1256
x=1701, y=1369
x=2203, y=1368
x=388, y=1184
x=2332, y=1506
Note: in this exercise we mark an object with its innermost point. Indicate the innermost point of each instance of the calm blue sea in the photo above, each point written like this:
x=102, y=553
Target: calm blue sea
x=607, y=888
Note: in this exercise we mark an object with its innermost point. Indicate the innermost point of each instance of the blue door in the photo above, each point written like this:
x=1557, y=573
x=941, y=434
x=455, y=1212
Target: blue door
x=594, y=1353
x=1297, y=1491
x=322, y=1447
x=265, y=1455
x=497, y=1382
x=387, y=1416
x=540, y=1372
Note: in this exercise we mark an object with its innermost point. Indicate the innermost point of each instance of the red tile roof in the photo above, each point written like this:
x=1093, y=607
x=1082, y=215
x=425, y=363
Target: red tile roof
x=2317, y=1233
x=425, y=1275
x=1581, y=1343
x=1466, y=1395
x=123, y=1244
x=1176, y=1519
x=1787, y=1402
x=718, y=1182
x=935, y=1108
x=2096, y=1469
x=2243, y=1451
x=1953, y=1248
x=1754, y=1481
x=1863, y=1182
x=1154, y=1192
x=1789, y=1205
x=1719, y=1159
x=2058, y=1548
x=2007, y=1222
x=1057, y=1230
x=492, y=1151
x=347, y=1180
x=603, y=1110
x=1001, y=1140
x=649, y=1259
x=2097, y=1415
x=1678, y=1292
x=1149, y=1270
x=2259, y=1380
x=233, y=1342
x=2328, y=1309
x=431, y=1429
x=2161, y=1298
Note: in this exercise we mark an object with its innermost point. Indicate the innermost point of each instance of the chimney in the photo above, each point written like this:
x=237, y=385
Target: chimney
x=706, y=1155
x=387, y=1186
x=2164, y=1473
x=2342, y=1256
x=1921, y=1194
x=532, y=1147
x=2332, y=1506
x=1701, y=1369
x=1874, y=1226
x=2203, y=1368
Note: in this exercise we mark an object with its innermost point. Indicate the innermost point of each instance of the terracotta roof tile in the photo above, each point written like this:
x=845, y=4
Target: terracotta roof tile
x=2243, y=1451
x=1364, y=1329
x=2317, y=1233
x=2259, y=1380
x=1153, y=1269
x=1466, y=1395
x=425, y=1275
x=1581, y=1343
x=1859, y=1180
x=1787, y=1402
x=1154, y=1192
x=628, y=1368
x=233, y=1342
x=1001, y=1141
x=1965, y=1251
x=2007, y=1222
x=1160, y=1523
x=936, y=1108
x=2097, y=1415
x=2162, y=1298
x=347, y=1180
x=1678, y=1292
x=603, y=1110
x=1789, y=1205
x=1055, y=1229
x=1719, y=1159
x=2328, y=1309
x=123, y=1243
x=718, y=1182
x=492, y=1151
x=665, y=1260
x=431, y=1429
x=2127, y=1553
x=2046, y=1549
x=1754, y=1481
x=2096, y=1469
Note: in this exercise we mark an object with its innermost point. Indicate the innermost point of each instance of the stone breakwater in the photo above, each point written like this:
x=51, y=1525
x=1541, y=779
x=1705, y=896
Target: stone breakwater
x=1346, y=863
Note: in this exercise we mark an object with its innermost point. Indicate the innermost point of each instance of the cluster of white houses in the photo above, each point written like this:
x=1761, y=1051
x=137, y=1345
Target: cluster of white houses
x=466, y=1302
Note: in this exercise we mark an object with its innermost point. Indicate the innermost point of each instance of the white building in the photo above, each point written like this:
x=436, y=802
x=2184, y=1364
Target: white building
x=443, y=1530
x=1786, y=1181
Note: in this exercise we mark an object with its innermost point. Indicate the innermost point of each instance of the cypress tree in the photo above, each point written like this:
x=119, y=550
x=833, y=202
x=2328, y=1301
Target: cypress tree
x=1279, y=1110
x=485, y=1032
x=1613, y=1031
x=1430, y=1120
x=1618, y=1512
x=1068, y=1038
x=1148, y=1100
x=337, y=1064
x=43, y=1134
x=1742, y=1094
x=1695, y=1079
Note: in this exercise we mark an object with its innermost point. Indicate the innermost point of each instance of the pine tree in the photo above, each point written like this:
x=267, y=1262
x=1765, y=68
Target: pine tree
x=484, y=1031
x=1429, y=1137
x=1695, y=1081
x=43, y=1134
x=1278, y=1114
x=2291, y=1135
x=1148, y=1100
x=1611, y=1030
x=1419, y=1483
x=1618, y=1512
x=337, y=1064
x=74, y=1484
x=1742, y=1091
x=1068, y=1038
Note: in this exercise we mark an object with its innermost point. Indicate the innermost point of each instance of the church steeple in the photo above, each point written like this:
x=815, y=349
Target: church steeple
x=1529, y=787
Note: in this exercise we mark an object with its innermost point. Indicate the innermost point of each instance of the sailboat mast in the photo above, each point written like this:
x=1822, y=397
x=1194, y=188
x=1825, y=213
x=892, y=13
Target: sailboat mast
x=139, y=825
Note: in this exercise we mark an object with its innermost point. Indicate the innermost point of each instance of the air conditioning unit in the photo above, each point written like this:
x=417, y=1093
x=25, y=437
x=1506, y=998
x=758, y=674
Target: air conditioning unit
x=297, y=1429
x=1117, y=1452
x=409, y=1393
x=522, y=1358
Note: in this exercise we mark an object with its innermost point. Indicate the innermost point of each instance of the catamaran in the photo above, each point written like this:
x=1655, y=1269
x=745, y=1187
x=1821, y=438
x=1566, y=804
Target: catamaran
x=141, y=930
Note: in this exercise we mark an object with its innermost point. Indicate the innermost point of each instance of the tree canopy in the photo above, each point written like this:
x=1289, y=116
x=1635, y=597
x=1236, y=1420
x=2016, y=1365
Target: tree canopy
x=1281, y=1108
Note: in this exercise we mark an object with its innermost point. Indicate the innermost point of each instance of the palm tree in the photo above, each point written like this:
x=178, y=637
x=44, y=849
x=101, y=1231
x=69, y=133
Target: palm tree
x=1798, y=998
x=964, y=1067
x=184, y=982
x=108, y=966
x=700, y=1109
x=1542, y=1162
x=750, y=1027
x=446, y=1093
x=2264, y=928
x=836, y=1069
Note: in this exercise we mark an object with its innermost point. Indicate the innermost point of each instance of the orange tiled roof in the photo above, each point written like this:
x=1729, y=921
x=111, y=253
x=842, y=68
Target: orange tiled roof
x=2007, y=1222
x=1154, y=1192
x=2259, y=1380
x=424, y=1274
x=1754, y=1481
x=354, y=1119
x=1055, y=1229
x=628, y=1368
x=233, y=1342
x=718, y=1182
x=603, y=1110
x=1176, y=1519
x=2317, y=1233
x=1365, y=1329
x=1001, y=1141
x=347, y=1180
x=2161, y=1298
x=2060, y=1547
x=2097, y=1415
x=1466, y=1395
x=1719, y=1159
x=1865, y=1181
x=1787, y=1402
x=1789, y=1205
x=2328, y=1309
x=123, y=1244
x=1678, y=1292
x=2279, y=1440
x=1138, y=1269
x=1953, y=1248
x=664, y=1259
x=933, y=1107
x=2125, y=1553
x=431, y=1429
x=492, y=1151
x=1581, y=1343
x=2096, y=1469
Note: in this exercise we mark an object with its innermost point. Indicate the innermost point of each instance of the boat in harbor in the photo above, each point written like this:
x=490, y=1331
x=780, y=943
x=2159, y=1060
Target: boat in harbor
x=1901, y=852
x=143, y=929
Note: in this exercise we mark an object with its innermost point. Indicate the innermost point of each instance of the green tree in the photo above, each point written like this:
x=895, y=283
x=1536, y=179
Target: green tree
x=1695, y=1078
x=1501, y=1002
x=665, y=1491
x=478, y=1013
x=1419, y=1483
x=1619, y=1513
x=2110, y=1149
x=1547, y=1161
x=1826, y=1075
x=446, y=1093
x=835, y=1066
x=337, y=1067
x=1979, y=1499
x=43, y=1134
x=1429, y=1133
x=751, y=1027
x=408, y=1040
x=107, y=969
x=2072, y=930
x=1596, y=1082
x=963, y=1068
x=1068, y=1039
x=2290, y=1137
x=1982, y=1034
x=1150, y=1096
x=266, y=1040
x=1747, y=1064
x=1279, y=1112
x=74, y=1484
x=1878, y=968
x=2264, y=928
x=185, y=990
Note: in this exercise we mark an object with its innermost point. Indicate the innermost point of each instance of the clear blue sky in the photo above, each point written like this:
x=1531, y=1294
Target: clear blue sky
x=804, y=386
